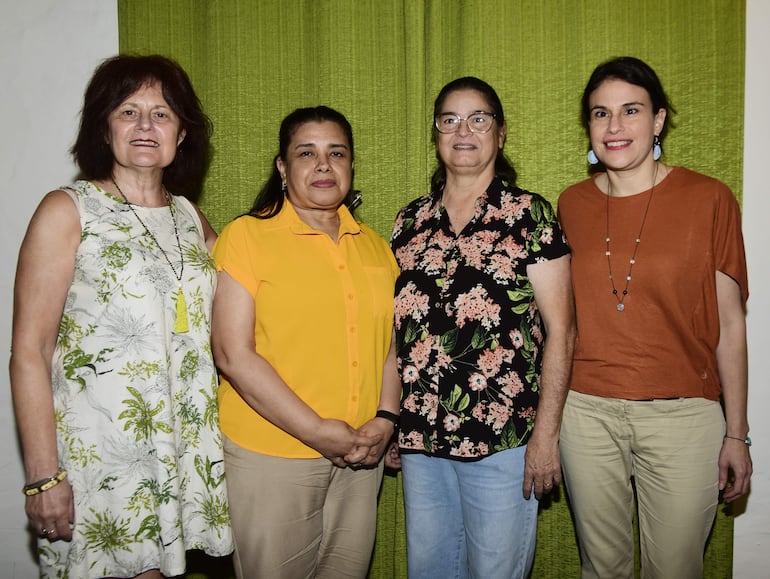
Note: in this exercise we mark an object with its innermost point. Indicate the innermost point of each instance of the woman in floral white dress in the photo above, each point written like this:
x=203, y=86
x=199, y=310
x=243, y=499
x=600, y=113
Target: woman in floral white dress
x=113, y=381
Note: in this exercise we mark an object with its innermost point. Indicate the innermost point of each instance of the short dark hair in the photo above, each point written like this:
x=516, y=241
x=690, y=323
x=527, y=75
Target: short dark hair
x=269, y=201
x=633, y=71
x=503, y=167
x=113, y=81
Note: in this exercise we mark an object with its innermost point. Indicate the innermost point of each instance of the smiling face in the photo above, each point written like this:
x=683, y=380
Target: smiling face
x=622, y=124
x=318, y=167
x=465, y=152
x=144, y=130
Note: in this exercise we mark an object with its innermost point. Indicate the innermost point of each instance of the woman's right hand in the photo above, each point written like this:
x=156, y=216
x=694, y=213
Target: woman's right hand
x=393, y=457
x=336, y=440
x=53, y=511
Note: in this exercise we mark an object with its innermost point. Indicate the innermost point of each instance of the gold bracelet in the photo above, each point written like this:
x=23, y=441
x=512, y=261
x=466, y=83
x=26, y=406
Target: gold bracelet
x=43, y=485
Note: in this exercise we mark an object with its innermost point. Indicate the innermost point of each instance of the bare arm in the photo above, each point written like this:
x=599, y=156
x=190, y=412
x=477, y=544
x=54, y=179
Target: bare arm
x=733, y=374
x=263, y=389
x=552, y=285
x=209, y=235
x=390, y=400
x=43, y=277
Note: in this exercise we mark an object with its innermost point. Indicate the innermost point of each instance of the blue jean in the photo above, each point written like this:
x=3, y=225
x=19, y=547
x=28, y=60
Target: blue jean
x=468, y=520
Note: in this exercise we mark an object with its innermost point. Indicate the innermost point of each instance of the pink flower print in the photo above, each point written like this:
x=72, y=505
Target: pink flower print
x=527, y=413
x=479, y=411
x=412, y=440
x=511, y=384
x=429, y=407
x=443, y=360
x=432, y=261
x=513, y=208
x=501, y=267
x=409, y=255
x=398, y=225
x=476, y=305
x=498, y=417
x=512, y=249
x=420, y=352
x=424, y=213
x=411, y=403
x=451, y=422
x=410, y=375
x=477, y=382
x=465, y=449
x=537, y=332
x=546, y=236
x=490, y=361
x=483, y=449
x=442, y=240
x=476, y=247
x=410, y=303
x=517, y=339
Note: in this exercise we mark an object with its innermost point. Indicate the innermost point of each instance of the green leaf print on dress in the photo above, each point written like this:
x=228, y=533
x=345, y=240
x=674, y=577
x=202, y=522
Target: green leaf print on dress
x=135, y=403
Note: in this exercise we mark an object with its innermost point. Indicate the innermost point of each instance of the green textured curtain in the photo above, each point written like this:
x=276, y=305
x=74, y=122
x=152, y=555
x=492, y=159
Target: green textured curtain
x=382, y=62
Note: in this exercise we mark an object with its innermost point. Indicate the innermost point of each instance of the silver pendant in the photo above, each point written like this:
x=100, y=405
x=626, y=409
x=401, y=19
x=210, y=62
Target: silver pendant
x=621, y=307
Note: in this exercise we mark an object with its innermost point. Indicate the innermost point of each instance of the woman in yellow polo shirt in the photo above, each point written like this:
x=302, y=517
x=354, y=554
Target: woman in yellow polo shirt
x=302, y=334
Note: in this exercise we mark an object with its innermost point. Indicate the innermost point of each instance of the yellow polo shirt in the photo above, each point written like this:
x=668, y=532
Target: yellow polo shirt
x=324, y=316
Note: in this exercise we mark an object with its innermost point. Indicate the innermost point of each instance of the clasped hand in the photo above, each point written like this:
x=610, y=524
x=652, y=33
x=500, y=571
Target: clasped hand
x=346, y=446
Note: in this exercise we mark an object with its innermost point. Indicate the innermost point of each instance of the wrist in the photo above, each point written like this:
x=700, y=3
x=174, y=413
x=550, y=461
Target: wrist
x=44, y=484
x=744, y=439
x=391, y=417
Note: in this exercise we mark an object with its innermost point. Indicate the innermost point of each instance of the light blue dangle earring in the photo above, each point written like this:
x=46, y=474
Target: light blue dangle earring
x=656, y=148
x=592, y=158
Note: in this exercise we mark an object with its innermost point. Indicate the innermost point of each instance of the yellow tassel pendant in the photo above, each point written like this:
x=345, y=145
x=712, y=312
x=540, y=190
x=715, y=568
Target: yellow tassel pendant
x=182, y=325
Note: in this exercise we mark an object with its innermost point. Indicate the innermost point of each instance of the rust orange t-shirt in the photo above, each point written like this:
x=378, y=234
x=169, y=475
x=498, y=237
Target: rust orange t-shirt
x=663, y=344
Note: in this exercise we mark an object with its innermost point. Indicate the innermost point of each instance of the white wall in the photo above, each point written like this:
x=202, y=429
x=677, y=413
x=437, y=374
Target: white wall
x=752, y=528
x=48, y=50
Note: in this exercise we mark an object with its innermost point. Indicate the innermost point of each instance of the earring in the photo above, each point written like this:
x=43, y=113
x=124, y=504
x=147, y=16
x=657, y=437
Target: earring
x=283, y=185
x=657, y=150
x=592, y=158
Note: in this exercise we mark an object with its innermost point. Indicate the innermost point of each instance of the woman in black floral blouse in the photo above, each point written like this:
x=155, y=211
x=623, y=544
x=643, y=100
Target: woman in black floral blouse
x=485, y=332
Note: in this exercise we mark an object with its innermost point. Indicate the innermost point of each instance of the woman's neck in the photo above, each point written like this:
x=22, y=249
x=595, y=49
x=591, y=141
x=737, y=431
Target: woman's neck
x=459, y=199
x=324, y=220
x=140, y=188
x=633, y=181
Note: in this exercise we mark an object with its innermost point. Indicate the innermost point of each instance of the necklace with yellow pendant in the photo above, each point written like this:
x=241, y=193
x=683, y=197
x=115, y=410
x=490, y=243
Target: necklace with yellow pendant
x=181, y=324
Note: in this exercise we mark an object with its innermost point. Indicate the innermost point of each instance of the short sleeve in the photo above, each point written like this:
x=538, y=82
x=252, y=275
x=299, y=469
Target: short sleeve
x=729, y=251
x=235, y=252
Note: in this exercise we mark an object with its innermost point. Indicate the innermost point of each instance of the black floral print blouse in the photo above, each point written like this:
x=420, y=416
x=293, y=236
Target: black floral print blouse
x=469, y=335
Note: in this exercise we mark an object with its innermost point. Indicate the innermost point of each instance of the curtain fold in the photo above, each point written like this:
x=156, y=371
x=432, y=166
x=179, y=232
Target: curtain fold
x=382, y=62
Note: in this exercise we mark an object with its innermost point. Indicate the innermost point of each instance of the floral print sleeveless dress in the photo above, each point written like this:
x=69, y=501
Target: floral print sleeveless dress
x=135, y=401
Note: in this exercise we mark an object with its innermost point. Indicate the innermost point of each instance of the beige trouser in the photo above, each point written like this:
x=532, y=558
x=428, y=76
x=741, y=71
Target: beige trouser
x=671, y=448
x=300, y=518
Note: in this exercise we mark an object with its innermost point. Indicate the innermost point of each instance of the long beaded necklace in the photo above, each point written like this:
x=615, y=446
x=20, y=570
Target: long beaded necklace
x=620, y=296
x=181, y=324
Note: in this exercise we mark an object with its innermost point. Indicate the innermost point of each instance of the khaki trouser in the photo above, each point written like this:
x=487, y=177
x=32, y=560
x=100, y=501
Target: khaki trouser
x=300, y=518
x=671, y=448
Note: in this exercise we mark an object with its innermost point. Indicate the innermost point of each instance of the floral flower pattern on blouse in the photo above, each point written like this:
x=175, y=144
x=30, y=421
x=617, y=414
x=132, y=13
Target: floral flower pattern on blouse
x=469, y=335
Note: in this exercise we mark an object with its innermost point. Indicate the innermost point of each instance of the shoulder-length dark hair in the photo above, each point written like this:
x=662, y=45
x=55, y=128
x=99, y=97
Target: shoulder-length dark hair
x=503, y=167
x=270, y=198
x=114, y=81
x=633, y=71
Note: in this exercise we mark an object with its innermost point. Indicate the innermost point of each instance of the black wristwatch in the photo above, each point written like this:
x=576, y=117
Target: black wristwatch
x=387, y=415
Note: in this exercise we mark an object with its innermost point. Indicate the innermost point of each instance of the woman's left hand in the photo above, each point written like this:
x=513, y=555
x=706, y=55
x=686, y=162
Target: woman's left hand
x=735, y=460
x=370, y=456
x=51, y=513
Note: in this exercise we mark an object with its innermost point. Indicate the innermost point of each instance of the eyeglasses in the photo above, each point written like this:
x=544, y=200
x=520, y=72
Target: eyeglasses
x=477, y=122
